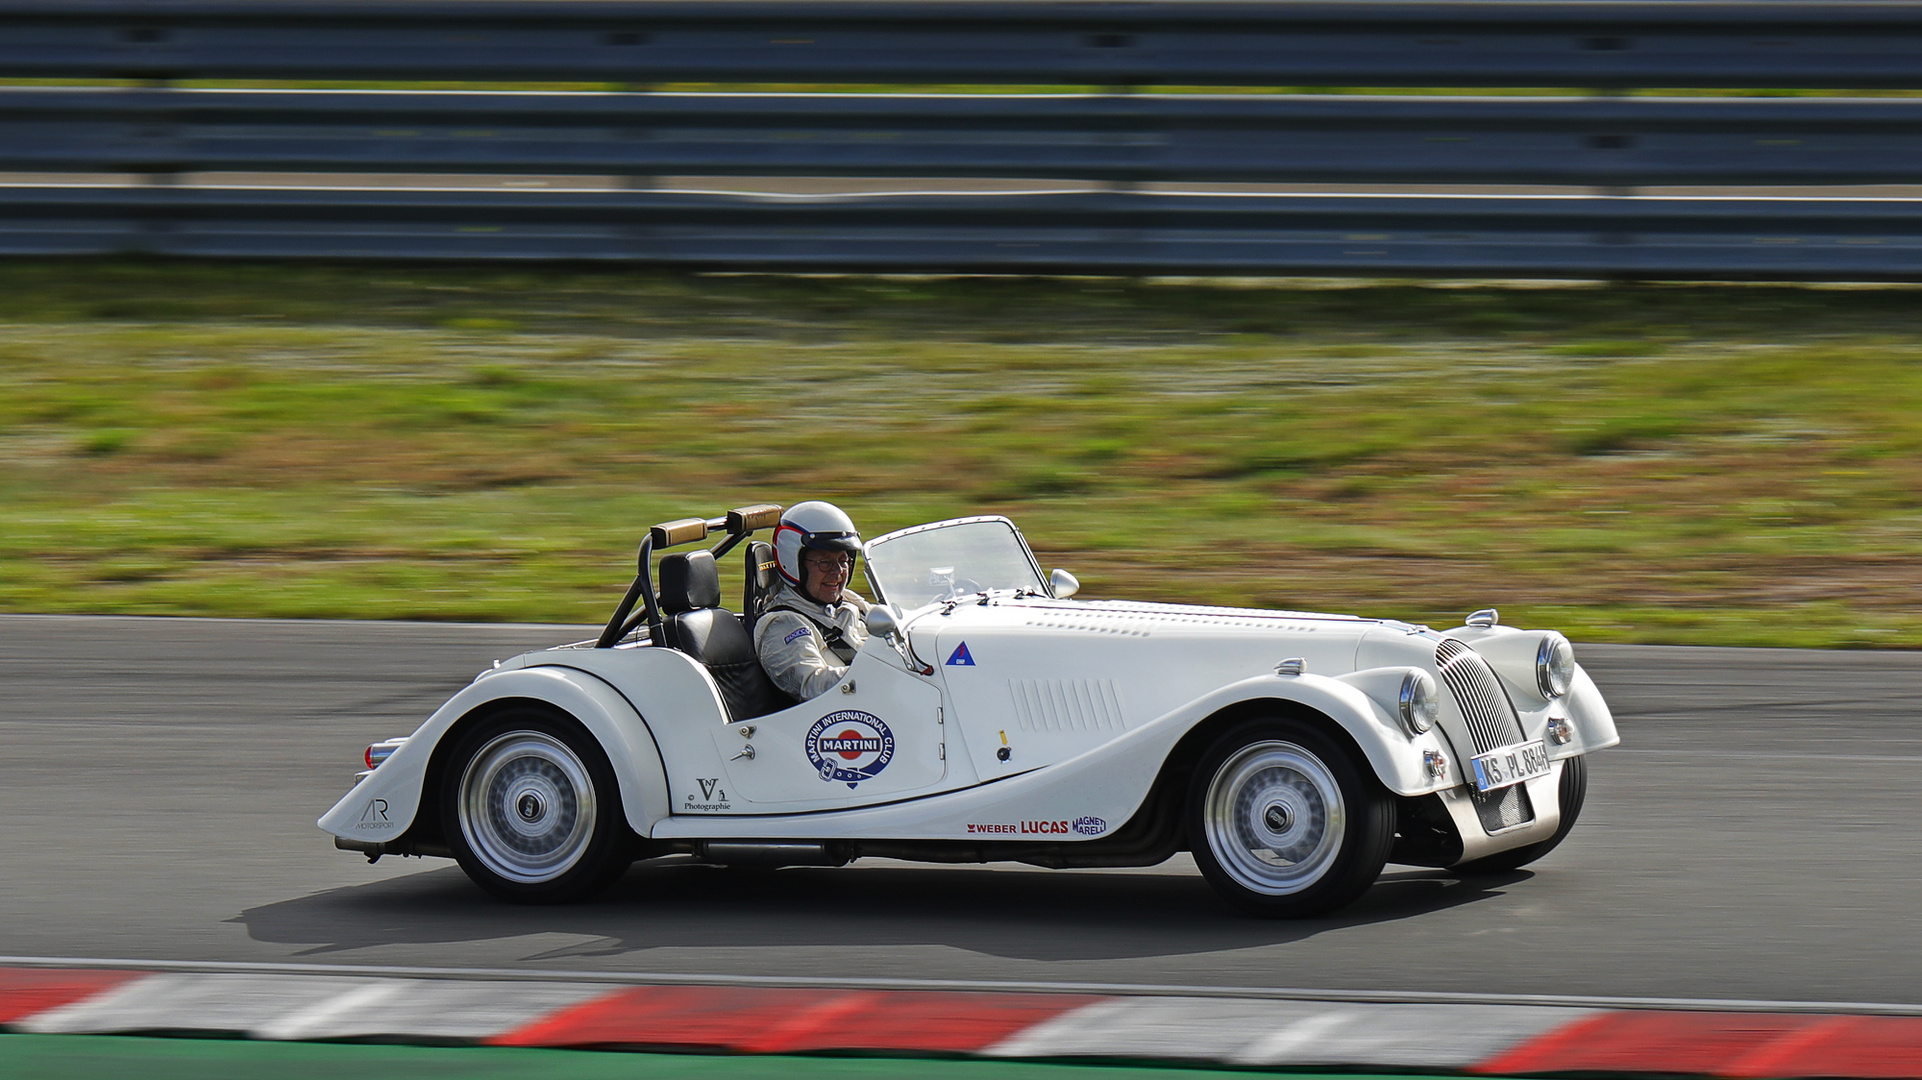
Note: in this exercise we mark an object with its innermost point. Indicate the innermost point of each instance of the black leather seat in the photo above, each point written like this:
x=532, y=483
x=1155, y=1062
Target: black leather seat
x=697, y=625
x=760, y=582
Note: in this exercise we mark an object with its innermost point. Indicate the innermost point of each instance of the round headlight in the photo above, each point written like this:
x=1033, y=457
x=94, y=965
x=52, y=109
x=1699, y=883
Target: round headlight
x=1554, y=666
x=1419, y=702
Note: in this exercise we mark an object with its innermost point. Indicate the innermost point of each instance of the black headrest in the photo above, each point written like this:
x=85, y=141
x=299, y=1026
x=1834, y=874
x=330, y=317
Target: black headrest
x=688, y=582
x=760, y=563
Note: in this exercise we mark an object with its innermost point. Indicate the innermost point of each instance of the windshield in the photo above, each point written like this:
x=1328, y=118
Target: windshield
x=931, y=563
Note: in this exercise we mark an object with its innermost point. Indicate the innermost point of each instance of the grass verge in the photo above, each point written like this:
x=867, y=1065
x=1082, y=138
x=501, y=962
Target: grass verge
x=1695, y=464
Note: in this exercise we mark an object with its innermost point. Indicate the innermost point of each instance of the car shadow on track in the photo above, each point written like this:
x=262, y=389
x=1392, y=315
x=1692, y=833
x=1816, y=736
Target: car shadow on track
x=1018, y=914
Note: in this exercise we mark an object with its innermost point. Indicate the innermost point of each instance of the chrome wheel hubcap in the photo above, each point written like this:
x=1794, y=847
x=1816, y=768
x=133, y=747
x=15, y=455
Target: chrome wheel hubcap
x=527, y=807
x=1275, y=817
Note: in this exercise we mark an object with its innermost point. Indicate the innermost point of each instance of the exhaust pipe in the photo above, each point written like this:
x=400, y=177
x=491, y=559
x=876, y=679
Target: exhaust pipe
x=402, y=846
x=769, y=854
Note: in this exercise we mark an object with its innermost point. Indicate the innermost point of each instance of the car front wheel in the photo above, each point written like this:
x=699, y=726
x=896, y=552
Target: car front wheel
x=1285, y=822
x=532, y=810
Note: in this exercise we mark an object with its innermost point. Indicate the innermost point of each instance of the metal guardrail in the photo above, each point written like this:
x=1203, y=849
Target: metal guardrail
x=1113, y=232
x=1602, y=43
x=1366, y=139
x=1602, y=142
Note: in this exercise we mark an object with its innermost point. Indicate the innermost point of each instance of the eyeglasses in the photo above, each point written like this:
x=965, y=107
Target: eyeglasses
x=828, y=562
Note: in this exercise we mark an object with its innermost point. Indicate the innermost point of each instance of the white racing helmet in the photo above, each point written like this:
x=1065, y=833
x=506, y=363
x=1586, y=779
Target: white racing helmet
x=820, y=526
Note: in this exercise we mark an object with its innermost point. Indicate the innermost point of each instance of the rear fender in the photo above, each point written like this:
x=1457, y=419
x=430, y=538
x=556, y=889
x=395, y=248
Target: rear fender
x=383, y=806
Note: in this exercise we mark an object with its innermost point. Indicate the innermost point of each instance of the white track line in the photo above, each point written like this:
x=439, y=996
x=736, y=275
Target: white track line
x=1290, y=1042
x=318, y=1020
x=285, y=1006
x=428, y=1009
x=1407, y=1036
x=1287, y=1033
x=1269, y=993
x=229, y=1002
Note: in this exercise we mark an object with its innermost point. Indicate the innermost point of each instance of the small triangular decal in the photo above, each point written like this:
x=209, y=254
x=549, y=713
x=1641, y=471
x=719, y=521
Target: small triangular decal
x=961, y=657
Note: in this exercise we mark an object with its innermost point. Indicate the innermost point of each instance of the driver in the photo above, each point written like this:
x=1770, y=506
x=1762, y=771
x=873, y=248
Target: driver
x=813, y=624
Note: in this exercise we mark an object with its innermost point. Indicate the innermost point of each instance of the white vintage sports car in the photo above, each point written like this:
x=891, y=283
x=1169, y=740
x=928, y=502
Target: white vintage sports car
x=990, y=717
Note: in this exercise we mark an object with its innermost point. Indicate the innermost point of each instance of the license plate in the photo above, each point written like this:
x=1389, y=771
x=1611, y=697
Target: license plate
x=1510, y=765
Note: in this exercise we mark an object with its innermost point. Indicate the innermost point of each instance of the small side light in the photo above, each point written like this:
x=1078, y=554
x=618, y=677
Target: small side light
x=381, y=751
x=1484, y=618
x=1294, y=665
x=1559, y=731
x=1434, y=763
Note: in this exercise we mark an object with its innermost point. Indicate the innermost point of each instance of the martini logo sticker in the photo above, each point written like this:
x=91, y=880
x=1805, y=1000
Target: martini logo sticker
x=849, y=746
x=962, y=657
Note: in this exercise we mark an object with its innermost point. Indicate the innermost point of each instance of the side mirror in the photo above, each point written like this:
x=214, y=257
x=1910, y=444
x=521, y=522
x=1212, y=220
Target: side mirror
x=1063, y=584
x=881, y=621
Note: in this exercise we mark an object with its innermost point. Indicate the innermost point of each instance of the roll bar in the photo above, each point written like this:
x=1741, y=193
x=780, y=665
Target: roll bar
x=738, y=524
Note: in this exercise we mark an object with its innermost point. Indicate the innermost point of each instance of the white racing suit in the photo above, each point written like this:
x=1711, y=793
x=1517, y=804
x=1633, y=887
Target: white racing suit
x=805, y=646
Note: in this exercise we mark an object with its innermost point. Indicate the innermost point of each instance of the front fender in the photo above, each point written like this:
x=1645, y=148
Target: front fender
x=385, y=804
x=1395, y=758
x=1588, y=714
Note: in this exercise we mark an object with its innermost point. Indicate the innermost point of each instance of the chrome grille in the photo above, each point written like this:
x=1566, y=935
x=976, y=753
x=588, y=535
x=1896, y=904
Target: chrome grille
x=1484, y=704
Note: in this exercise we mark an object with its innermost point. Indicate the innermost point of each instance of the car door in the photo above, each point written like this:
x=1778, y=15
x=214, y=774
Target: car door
x=876, y=736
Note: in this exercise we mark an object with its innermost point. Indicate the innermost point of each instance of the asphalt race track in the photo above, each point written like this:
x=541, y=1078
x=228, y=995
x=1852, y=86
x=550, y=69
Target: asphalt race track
x=1758, y=836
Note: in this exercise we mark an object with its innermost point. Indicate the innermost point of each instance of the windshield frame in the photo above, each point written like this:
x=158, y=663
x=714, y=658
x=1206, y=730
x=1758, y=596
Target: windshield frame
x=880, y=593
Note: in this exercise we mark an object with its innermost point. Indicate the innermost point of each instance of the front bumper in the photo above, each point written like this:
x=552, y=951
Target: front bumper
x=1508, y=818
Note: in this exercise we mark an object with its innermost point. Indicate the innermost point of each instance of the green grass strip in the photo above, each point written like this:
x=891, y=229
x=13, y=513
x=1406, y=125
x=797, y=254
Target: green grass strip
x=1691, y=464
x=113, y=1057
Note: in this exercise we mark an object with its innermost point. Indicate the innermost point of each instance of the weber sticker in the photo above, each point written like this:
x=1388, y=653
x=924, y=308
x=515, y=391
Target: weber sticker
x=1086, y=826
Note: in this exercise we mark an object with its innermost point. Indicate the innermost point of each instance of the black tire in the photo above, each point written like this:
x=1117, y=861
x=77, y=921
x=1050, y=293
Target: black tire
x=1260, y=808
x=531, y=809
x=1572, y=791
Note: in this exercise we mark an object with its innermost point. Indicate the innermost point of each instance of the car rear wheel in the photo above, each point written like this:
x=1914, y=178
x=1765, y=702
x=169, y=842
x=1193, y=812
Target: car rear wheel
x=1285, y=822
x=1573, y=791
x=531, y=808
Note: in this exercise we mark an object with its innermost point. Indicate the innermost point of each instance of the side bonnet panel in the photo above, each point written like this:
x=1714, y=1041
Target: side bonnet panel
x=1046, y=684
x=382, y=806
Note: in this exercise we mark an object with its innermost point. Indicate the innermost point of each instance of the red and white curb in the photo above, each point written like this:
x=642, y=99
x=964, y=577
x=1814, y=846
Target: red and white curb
x=1483, y=1039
